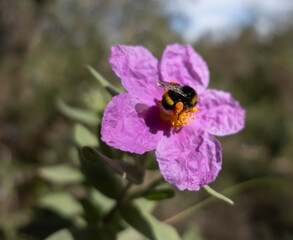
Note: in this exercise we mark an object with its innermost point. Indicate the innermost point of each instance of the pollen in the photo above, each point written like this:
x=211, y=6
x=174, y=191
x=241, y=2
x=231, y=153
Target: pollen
x=178, y=117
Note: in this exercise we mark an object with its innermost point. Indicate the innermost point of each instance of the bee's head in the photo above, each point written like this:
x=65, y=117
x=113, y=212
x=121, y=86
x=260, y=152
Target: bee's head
x=190, y=92
x=191, y=95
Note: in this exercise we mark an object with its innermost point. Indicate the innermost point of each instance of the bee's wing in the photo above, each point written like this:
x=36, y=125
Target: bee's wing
x=172, y=86
x=166, y=85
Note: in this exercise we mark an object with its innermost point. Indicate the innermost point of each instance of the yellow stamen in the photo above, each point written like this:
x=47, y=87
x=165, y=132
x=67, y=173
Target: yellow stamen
x=178, y=117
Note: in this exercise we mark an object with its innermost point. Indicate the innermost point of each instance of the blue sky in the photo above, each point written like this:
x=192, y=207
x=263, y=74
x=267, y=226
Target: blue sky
x=224, y=19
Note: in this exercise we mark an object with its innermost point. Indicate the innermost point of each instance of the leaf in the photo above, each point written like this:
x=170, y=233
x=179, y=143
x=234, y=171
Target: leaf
x=159, y=194
x=136, y=219
x=192, y=233
x=107, y=85
x=93, y=232
x=63, y=234
x=84, y=137
x=162, y=230
x=101, y=176
x=77, y=114
x=145, y=205
x=142, y=192
x=146, y=224
x=88, y=233
x=133, y=172
x=130, y=234
x=152, y=161
x=96, y=99
x=101, y=201
x=62, y=174
x=62, y=203
x=152, y=165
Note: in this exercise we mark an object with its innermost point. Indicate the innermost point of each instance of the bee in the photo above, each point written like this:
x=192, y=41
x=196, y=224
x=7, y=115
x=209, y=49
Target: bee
x=176, y=93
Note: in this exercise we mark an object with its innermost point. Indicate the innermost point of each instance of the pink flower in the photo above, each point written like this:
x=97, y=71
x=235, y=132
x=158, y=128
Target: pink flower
x=189, y=156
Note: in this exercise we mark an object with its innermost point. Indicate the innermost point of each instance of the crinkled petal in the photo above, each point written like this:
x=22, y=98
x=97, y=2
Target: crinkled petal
x=189, y=159
x=183, y=65
x=138, y=70
x=219, y=113
x=125, y=125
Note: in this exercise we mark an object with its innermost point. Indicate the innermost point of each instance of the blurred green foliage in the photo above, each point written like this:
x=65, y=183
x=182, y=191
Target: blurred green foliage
x=45, y=47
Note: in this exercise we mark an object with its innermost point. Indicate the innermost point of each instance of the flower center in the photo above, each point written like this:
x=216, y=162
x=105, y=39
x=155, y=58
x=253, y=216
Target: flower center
x=179, y=116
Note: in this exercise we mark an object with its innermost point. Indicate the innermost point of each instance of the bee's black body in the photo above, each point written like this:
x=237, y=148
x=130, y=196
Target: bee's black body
x=176, y=93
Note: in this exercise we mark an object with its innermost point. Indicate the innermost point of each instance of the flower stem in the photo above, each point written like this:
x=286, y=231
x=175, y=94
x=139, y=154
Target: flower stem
x=218, y=195
x=189, y=211
x=263, y=182
x=140, y=192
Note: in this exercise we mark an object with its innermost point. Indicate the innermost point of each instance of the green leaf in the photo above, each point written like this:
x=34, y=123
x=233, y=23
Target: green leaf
x=192, y=233
x=77, y=114
x=94, y=233
x=136, y=219
x=101, y=176
x=88, y=233
x=101, y=201
x=62, y=203
x=62, y=174
x=159, y=194
x=152, y=165
x=130, y=234
x=133, y=172
x=84, y=137
x=63, y=234
x=96, y=99
x=162, y=230
x=146, y=224
x=108, y=86
x=152, y=161
x=218, y=195
x=142, y=192
x=145, y=205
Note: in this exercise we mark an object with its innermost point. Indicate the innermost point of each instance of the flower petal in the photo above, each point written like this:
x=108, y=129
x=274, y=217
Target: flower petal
x=189, y=159
x=126, y=126
x=219, y=113
x=138, y=70
x=183, y=65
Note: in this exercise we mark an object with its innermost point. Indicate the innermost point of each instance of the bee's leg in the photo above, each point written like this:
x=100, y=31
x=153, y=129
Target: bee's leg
x=178, y=108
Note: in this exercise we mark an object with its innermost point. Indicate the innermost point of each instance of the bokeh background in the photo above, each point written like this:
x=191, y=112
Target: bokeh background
x=44, y=48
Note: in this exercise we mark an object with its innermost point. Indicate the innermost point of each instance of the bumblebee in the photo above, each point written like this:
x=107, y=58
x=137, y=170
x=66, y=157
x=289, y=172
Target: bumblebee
x=176, y=93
